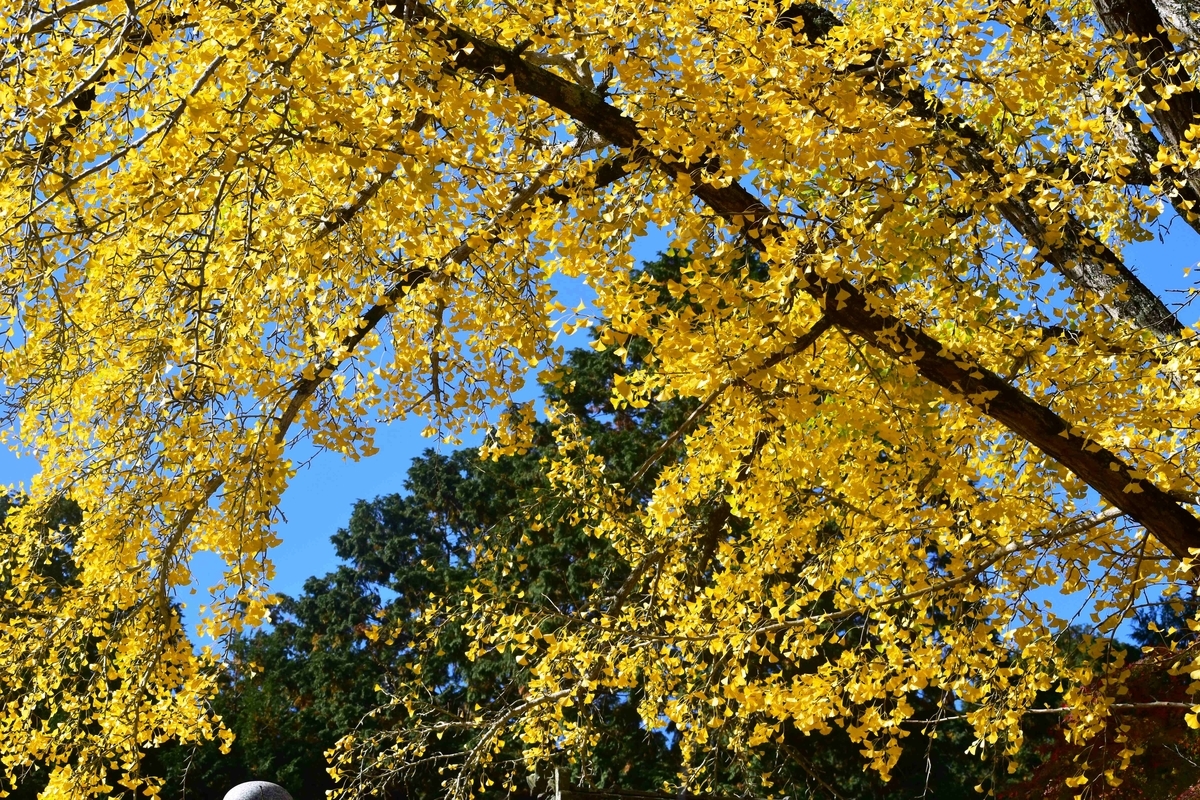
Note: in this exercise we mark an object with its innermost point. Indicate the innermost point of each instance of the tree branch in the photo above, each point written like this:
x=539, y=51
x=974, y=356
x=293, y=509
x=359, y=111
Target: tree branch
x=1167, y=90
x=1074, y=251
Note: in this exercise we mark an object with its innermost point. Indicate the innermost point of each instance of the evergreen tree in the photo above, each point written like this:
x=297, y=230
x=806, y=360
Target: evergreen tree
x=295, y=689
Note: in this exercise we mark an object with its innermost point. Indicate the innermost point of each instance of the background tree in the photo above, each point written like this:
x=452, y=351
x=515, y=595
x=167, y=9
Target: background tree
x=1145, y=750
x=295, y=690
x=298, y=688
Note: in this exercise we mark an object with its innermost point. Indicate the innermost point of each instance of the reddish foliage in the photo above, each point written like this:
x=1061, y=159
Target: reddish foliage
x=1168, y=765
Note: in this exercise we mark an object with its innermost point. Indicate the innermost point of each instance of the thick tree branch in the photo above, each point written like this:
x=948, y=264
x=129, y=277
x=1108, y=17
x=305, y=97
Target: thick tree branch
x=1167, y=91
x=850, y=309
x=1074, y=251
x=1071, y=248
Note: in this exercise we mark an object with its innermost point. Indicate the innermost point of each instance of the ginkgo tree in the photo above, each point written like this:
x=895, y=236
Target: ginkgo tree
x=233, y=228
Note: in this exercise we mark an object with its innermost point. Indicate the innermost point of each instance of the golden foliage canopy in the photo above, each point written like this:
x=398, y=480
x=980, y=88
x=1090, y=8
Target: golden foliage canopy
x=231, y=227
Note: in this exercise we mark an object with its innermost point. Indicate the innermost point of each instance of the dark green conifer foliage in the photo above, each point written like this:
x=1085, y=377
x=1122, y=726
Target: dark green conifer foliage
x=297, y=687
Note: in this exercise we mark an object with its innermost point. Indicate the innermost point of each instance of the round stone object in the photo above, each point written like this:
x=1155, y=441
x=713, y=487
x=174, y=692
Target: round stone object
x=257, y=790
